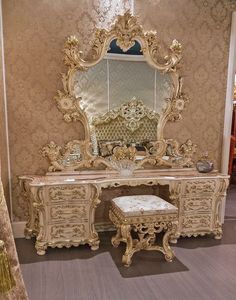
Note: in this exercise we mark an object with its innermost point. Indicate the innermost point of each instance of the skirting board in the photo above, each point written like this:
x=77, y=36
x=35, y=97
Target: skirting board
x=18, y=228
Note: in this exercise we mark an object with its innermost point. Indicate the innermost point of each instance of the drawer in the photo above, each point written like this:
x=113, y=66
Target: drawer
x=69, y=212
x=197, y=204
x=67, y=232
x=200, y=187
x=196, y=223
x=68, y=193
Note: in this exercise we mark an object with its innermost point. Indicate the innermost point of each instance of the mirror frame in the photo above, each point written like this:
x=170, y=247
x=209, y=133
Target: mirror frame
x=126, y=30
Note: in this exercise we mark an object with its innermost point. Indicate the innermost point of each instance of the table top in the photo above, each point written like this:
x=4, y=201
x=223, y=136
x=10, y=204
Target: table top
x=106, y=176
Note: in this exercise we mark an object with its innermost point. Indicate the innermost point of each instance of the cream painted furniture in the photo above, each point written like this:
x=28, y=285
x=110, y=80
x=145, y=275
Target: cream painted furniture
x=123, y=103
x=62, y=207
x=147, y=215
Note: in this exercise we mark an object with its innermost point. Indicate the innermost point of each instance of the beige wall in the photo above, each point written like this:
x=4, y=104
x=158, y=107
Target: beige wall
x=203, y=27
x=34, y=34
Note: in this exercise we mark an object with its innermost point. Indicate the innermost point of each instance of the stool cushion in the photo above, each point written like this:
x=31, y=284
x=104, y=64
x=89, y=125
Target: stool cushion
x=137, y=205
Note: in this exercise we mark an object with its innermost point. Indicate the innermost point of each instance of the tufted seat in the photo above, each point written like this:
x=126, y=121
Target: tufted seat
x=147, y=215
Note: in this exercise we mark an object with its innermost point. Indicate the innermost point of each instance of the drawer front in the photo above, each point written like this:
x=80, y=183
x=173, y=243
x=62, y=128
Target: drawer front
x=69, y=213
x=200, y=187
x=68, y=193
x=197, y=204
x=196, y=223
x=67, y=232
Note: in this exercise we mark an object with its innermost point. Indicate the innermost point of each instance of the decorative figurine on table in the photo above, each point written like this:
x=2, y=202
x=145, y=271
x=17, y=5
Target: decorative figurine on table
x=204, y=164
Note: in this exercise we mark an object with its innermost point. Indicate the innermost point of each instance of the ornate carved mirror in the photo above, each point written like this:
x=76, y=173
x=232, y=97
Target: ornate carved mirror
x=124, y=99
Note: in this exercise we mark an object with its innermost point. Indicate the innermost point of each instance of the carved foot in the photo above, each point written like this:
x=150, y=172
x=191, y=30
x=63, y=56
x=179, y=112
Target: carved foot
x=41, y=252
x=40, y=248
x=115, y=242
x=218, y=234
x=28, y=233
x=126, y=260
x=169, y=258
x=95, y=245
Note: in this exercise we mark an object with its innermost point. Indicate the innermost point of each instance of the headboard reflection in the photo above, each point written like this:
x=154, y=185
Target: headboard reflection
x=130, y=123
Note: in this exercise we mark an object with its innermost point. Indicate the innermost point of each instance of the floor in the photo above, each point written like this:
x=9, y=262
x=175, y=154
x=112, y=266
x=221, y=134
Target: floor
x=204, y=268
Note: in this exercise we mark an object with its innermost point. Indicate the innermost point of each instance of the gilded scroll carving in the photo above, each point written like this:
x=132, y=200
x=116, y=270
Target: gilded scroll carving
x=196, y=222
x=68, y=212
x=197, y=204
x=68, y=193
x=146, y=227
x=126, y=30
x=206, y=186
x=74, y=155
x=59, y=232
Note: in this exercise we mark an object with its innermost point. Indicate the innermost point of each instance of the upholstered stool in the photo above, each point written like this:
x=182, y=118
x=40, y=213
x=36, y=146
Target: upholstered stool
x=147, y=215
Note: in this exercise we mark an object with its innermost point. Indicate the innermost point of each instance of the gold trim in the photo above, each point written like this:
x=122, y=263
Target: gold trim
x=126, y=30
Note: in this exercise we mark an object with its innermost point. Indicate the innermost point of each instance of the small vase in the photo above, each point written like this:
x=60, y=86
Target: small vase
x=204, y=165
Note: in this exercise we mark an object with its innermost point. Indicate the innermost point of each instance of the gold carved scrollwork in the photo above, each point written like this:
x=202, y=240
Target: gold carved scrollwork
x=71, y=193
x=146, y=227
x=60, y=232
x=75, y=155
x=126, y=31
x=68, y=212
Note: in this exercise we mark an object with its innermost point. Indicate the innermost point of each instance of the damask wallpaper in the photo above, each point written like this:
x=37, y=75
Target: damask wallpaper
x=34, y=36
x=203, y=27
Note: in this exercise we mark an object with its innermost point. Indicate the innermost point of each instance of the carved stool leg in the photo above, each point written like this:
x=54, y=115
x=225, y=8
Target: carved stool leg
x=127, y=238
x=170, y=232
x=116, y=239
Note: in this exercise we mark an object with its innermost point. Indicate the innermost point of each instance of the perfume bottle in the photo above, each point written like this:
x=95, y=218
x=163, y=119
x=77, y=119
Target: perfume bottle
x=204, y=164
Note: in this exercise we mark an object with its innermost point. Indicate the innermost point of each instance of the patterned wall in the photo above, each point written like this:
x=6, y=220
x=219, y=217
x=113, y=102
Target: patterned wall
x=203, y=27
x=34, y=37
x=35, y=34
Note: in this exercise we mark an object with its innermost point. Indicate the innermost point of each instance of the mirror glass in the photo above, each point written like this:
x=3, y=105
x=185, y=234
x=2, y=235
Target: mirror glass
x=118, y=78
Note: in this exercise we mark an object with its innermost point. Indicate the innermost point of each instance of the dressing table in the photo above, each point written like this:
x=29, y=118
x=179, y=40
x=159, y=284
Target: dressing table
x=124, y=146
